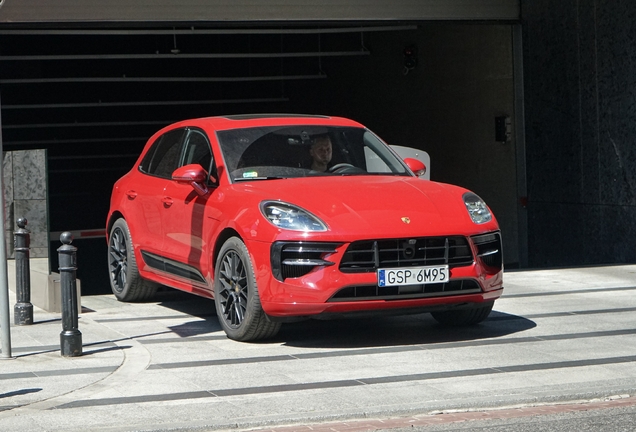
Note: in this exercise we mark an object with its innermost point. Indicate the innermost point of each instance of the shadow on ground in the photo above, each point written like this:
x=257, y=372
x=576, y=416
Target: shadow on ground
x=378, y=331
x=420, y=329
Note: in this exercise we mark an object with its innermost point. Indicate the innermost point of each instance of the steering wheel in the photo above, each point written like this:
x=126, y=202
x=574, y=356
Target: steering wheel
x=340, y=166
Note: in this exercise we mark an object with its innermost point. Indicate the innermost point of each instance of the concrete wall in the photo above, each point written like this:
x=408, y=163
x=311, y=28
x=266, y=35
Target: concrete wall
x=579, y=67
x=446, y=106
x=25, y=184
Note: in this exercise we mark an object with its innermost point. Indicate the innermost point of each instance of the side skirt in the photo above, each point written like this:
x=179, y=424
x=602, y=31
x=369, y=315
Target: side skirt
x=176, y=268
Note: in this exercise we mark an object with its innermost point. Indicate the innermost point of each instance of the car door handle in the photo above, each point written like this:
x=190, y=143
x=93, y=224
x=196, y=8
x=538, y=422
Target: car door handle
x=167, y=201
x=131, y=194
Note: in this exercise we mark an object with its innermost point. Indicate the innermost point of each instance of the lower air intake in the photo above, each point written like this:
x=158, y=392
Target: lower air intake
x=374, y=292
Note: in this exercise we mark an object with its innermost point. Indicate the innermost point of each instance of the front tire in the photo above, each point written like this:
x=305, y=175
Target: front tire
x=238, y=305
x=463, y=317
x=125, y=281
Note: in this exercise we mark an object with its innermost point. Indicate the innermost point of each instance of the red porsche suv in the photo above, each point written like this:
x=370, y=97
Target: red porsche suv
x=285, y=217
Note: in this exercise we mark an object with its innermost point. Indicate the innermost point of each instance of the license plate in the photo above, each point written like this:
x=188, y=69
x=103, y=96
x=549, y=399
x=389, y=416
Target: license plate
x=413, y=275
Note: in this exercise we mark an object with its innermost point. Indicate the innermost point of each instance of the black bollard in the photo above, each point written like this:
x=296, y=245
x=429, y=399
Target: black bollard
x=23, y=309
x=71, y=337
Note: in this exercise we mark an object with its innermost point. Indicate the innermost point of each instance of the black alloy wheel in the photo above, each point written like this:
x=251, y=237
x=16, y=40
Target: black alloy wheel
x=125, y=281
x=118, y=259
x=236, y=295
x=233, y=278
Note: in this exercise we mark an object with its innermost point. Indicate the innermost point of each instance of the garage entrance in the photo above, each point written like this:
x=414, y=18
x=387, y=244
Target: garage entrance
x=92, y=95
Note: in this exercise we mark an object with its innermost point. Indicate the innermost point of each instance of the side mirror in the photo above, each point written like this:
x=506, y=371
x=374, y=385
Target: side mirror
x=194, y=175
x=418, y=168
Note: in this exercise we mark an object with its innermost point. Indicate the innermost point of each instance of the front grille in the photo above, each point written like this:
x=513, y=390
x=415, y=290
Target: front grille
x=374, y=292
x=370, y=255
x=489, y=249
x=296, y=259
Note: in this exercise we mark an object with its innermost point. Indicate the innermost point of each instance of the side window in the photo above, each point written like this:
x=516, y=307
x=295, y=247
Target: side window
x=379, y=157
x=374, y=163
x=196, y=150
x=163, y=157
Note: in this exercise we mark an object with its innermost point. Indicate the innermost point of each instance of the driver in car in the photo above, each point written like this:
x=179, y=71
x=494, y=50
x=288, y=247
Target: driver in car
x=320, y=152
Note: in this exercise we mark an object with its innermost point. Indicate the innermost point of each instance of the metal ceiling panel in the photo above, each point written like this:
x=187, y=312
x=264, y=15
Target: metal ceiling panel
x=83, y=11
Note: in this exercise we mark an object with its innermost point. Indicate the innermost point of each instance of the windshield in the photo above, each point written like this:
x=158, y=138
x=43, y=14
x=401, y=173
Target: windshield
x=275, y=152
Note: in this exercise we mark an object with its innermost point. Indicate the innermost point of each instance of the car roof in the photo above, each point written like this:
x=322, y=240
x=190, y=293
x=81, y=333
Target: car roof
x=259, y=120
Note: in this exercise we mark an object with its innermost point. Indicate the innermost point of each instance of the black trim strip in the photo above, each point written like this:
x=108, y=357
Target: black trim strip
x=319, y=355
x=42, y=349
x=345, y=383
x=389, y=350
x=173, y=267
x=572, y=313
x=51, y=373
x=581, y=291
x=492, y=317
x=156, y=317
x=271, y=116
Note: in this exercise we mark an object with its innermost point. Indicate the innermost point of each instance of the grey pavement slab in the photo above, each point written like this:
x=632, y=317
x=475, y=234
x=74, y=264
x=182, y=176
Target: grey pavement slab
x=555, y=335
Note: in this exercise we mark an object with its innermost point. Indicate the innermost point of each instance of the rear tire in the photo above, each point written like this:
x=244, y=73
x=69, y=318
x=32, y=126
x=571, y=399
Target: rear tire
x=238, y=305
x=463, y=317
x=125, y=281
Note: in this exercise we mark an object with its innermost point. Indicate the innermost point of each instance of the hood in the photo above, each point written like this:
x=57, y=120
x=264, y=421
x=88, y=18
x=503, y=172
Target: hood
x=378, y=206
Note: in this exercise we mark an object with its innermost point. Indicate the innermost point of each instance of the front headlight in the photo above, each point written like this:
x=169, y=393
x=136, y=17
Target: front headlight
x=477, y=208
x=290, y=217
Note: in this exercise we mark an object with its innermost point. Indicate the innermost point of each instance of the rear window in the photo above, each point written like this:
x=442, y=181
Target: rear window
x=163, y=157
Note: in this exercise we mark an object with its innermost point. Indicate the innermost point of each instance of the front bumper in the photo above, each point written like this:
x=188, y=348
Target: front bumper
x=314, y=293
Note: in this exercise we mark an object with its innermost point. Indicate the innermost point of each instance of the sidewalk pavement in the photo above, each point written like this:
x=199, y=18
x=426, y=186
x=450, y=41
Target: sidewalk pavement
x=36, y=353
x=137, y=366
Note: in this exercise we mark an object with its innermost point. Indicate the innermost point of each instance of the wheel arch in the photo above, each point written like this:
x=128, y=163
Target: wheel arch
x=111, y=221
x=222, y=238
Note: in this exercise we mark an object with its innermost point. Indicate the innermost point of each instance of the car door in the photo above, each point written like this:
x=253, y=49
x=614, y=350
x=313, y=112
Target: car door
x=145, y=196
x=184, y=221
